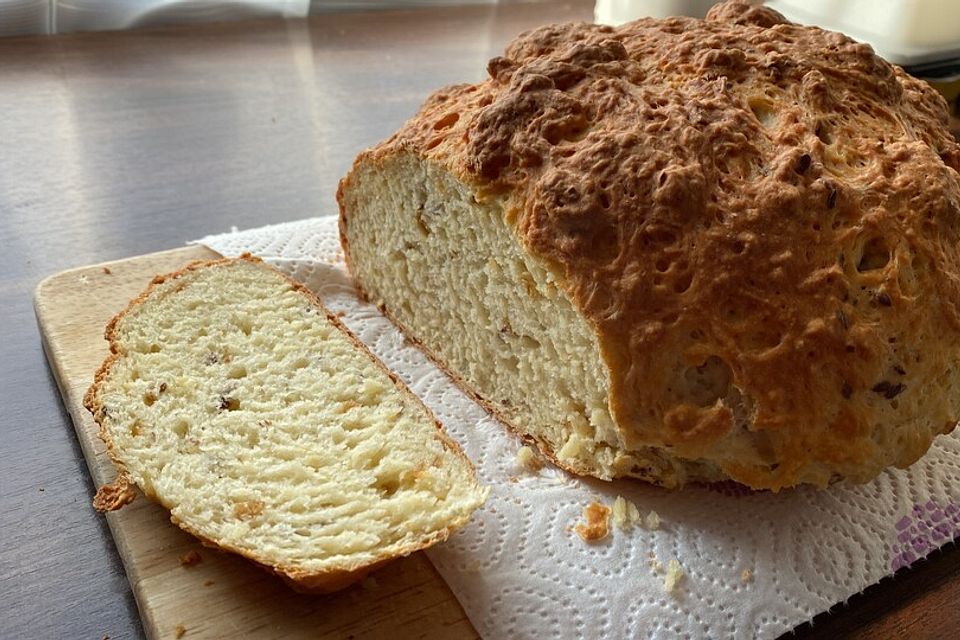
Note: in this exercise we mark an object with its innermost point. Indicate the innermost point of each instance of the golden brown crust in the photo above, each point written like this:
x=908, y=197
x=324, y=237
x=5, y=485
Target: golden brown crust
x=596, y=522
x=121, y=491
x=771, y=198
x=114, y=495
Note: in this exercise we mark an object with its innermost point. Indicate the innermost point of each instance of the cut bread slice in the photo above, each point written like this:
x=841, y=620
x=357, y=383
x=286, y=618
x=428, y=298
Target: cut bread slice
x=236, y=400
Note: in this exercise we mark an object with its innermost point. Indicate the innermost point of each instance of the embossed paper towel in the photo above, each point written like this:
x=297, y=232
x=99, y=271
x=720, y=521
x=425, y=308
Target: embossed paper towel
x=754, y=564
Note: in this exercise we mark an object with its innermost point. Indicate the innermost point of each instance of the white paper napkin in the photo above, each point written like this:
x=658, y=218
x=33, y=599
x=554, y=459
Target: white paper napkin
x=753, y=564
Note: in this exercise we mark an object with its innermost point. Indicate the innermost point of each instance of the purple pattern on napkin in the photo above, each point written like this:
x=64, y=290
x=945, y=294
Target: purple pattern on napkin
x=927, y=527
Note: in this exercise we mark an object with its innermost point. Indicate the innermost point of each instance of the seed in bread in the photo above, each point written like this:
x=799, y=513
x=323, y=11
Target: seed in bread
x=236, y=400
x=680, y=250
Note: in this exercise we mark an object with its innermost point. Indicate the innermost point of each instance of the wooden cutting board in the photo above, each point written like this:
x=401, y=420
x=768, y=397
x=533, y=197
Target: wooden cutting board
x=222, y=596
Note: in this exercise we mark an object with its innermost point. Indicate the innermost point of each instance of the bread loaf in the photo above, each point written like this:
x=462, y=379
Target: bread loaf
x=680, y=249
x=236, y=400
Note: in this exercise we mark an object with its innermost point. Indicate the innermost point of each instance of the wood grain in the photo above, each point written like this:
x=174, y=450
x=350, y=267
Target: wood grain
x=222, y=596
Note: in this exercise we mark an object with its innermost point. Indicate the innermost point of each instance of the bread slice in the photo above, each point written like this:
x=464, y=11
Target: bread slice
x=680, y=250
x=236, y=400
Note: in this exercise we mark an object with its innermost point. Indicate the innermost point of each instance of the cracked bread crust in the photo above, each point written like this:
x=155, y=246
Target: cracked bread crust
x=760, y=220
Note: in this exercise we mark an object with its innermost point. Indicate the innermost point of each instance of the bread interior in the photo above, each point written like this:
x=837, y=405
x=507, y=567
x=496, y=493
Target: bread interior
x=451, y=272
x=239, y=405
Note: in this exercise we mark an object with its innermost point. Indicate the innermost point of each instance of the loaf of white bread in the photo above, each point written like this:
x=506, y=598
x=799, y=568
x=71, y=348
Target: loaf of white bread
x=237, y=401
x=680, y=250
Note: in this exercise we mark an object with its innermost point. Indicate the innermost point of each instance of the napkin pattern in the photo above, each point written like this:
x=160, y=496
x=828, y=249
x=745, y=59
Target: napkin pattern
x=754, y=564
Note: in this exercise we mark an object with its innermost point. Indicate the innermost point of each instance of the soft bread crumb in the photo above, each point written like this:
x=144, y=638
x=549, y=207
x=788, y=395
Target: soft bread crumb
x=656, y=565
x=179, y=631
x=191, y=559
x=746, y=576
x=674, y=576
x=528, y=459
x=625, y=513
x=231, y=361
x=248, y=509
x=597, y=525
x=652, y=521
x=570, y=450
x=107, y=271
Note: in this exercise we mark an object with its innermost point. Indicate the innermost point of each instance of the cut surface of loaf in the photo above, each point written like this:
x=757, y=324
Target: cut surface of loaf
x=236, y=400
x=680, y=249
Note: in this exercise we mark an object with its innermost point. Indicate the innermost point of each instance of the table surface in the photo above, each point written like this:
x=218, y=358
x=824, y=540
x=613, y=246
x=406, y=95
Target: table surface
x=119, y=144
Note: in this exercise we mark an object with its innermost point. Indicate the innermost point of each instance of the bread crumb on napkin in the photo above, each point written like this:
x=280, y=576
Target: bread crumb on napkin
x=746, y=576
x=528, y=460
x=625, y=513
x=652, y=521
x=597, y=522
x=674, y=576
x=191, y=559
x=179, y=631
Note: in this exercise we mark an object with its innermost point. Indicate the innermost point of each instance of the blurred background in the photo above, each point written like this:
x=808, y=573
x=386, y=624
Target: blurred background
x=921, y=35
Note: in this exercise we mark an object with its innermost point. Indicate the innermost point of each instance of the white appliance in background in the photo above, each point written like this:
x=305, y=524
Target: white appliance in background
x=22, y=17
x=328, y=6
x=102, y=15
x=619, y=11
x=906, y=32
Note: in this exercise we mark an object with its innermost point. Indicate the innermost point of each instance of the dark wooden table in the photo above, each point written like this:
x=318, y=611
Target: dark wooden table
x=118, y=144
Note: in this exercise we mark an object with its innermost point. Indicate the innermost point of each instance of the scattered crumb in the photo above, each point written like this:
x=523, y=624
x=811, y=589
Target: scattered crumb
x=42, y=489
x=651, y=555
x=191, y=559
x=208, y=583
x=179, y=631
x=369, y=583
x=84, y=279
x=106, y=637
x=107, y=271
x=528, y=459
x=597, y=524
x=656, y=565
x=114, y=495
x=652, y=520
x=473, y=567
x=625, y=513
x=746, y=576
x=674, y=576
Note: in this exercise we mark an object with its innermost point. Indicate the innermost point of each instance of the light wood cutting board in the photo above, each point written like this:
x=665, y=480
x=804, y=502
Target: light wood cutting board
x=223, y=596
